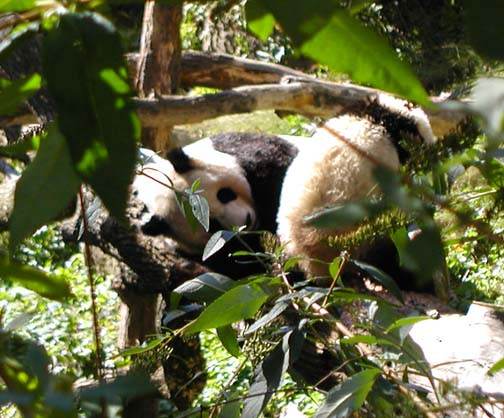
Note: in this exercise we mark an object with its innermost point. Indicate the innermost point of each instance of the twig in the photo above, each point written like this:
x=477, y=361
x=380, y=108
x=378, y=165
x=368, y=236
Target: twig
x=94, y=310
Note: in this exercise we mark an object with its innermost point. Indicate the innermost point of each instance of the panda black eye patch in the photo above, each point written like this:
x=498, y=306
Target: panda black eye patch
x=226, y=195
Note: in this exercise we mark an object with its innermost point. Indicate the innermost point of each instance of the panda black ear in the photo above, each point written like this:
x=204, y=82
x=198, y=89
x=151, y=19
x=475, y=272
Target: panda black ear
x=181, y=162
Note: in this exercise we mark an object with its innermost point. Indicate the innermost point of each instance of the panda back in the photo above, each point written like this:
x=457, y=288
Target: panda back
x=265, y=159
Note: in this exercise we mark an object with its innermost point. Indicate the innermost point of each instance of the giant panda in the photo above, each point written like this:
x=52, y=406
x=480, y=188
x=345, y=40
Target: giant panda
x=272, y=183
x=241, y=177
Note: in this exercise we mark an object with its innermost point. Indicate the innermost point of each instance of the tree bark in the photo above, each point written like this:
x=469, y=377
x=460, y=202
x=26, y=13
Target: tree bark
x=158, y=63
x=157, y=74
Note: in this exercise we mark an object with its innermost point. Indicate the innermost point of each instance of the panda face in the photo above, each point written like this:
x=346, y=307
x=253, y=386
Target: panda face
x=223, y=185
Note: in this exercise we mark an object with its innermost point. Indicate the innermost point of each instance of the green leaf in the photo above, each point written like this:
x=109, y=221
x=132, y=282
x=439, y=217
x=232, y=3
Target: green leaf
x=217, y=242
x=487, y=103
x=410, y=320
x=13, y=93
x=349, y=396
x=327, y=33
x=144, y=348
x=365, y=339
x=400, y=239
x=228, y=338
x=334, y=267
x=231, y=409
x=274, y=312
x=269, y=373
x=16, y=5
x=496, y=367
x=29, y=143
x=241, y=302
x=382, y=278
x=424, y=255
x=87, y=78
x=206, y=287
x=259, y=20
x=347, y=46
x=200, y=209
x=493, y=171
x=347, y=215
x=47, y=285
x=49, y=182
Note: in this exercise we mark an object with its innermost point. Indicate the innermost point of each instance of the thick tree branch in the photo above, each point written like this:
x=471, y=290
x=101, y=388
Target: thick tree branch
x=225, y=71
x=313, y=98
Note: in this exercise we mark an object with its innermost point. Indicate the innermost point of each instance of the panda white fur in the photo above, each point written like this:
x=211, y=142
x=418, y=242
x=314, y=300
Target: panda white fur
x=275, y=181
x=337, y=168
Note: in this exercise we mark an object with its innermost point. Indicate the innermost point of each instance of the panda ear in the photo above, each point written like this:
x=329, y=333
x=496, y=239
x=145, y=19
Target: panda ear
x=181, y=162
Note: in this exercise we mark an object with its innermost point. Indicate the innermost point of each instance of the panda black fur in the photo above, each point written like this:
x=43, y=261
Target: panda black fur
x=289, y=178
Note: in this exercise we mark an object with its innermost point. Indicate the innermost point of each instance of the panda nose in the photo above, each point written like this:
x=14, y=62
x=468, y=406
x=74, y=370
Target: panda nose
x=248, y=221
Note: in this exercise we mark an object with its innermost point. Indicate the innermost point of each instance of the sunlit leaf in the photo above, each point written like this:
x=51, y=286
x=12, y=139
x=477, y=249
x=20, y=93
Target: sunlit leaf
x=16, y=5
x=50, y=181
x=365, y=339
x=85, y=71
x=241, y=302
x=228, y=338
x=273, y=313
x=349, y=395
x=144, y=348
x=496, y=367
x=206, y=287
x=327, y=33
x=29, y=143
x=48, y=285
x=200, y=209
x=217, y=242
x=259, y=20
x=487, y=103
x=411, y=320
x=13, y=93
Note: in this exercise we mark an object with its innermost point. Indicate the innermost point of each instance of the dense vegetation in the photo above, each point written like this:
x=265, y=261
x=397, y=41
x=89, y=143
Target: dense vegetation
x=50, y=360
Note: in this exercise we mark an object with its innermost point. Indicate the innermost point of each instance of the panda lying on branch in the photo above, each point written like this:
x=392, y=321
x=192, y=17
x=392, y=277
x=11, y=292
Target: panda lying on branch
x=272, y=183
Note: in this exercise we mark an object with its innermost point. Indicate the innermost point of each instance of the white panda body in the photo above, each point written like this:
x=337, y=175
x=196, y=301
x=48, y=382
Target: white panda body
x=338, y=174
x=336, y=168
x=282, y=179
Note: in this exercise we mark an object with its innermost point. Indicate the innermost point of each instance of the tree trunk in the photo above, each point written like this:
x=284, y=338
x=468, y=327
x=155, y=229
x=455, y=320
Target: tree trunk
x=157, y=74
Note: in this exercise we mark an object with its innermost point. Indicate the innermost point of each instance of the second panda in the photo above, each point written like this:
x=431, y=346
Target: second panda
x=272, y=183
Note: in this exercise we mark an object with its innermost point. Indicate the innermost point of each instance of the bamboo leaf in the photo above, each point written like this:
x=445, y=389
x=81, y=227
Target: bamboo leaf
x=48, y=285
x=349, y=396
x=241, y=302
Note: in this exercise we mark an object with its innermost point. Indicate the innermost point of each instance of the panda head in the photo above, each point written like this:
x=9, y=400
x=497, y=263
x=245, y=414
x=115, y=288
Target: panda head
x=223, y=184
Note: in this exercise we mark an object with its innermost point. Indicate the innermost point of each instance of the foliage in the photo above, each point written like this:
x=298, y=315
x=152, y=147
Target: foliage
x=93, y=141
x=430, y=35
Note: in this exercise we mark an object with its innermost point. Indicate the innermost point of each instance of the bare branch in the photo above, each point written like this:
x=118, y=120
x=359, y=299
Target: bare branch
x=307, y=98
